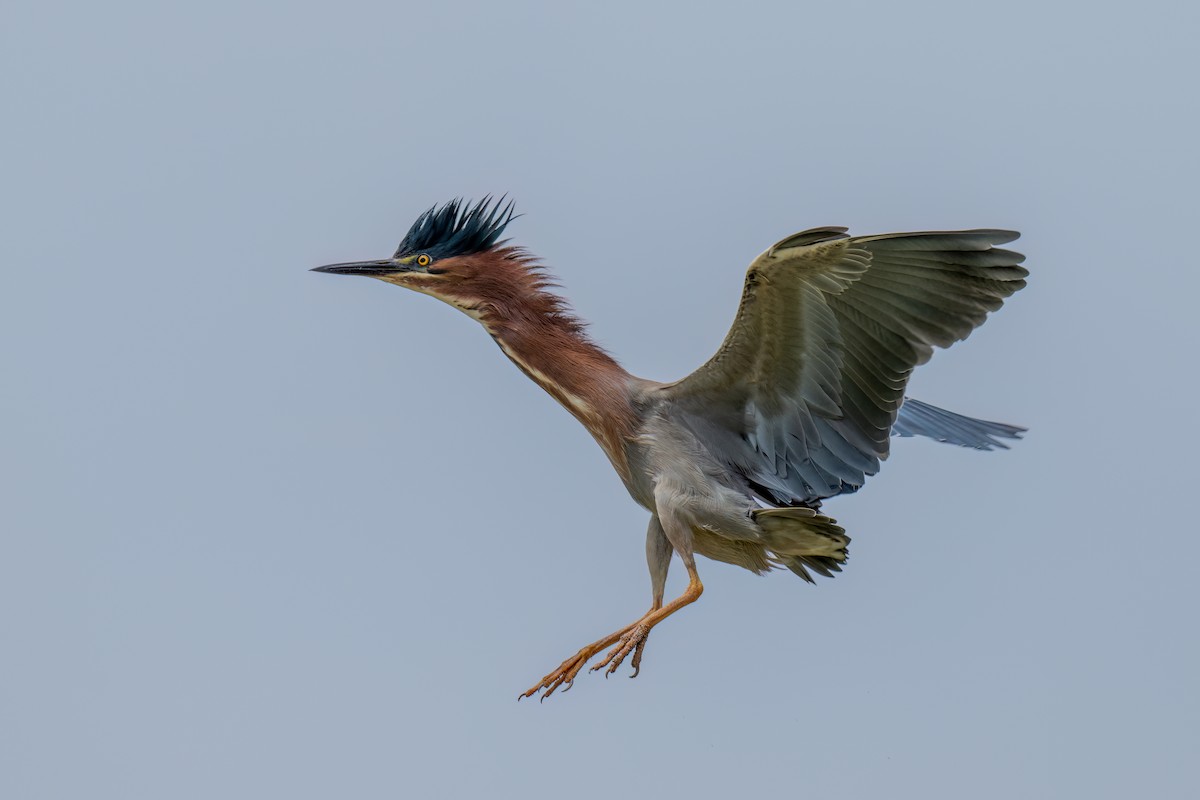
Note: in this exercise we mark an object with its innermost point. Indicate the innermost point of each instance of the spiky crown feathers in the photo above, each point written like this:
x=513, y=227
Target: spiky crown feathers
x=457, y=228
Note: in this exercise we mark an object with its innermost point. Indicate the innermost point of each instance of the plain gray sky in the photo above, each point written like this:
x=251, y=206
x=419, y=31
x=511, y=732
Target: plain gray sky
x=267, y=533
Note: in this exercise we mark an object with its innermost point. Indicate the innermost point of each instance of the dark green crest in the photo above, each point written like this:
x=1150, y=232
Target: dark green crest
x=457, y=229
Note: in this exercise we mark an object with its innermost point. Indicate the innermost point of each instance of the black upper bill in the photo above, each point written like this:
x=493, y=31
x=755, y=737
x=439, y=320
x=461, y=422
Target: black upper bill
x=381, y=267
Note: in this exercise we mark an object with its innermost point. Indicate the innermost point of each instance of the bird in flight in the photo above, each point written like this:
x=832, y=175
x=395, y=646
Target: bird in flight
x=797, y=405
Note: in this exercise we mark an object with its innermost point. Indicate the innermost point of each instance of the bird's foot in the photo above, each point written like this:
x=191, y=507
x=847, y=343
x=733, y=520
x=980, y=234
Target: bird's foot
x=632, y=640
x=564, y=676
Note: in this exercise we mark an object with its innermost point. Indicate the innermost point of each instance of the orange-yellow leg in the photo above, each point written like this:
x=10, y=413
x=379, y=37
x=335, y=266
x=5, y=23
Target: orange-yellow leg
x=636, y=664
x=631, y=638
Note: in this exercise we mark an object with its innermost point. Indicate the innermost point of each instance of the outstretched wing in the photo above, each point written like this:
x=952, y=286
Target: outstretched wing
x=802, y=396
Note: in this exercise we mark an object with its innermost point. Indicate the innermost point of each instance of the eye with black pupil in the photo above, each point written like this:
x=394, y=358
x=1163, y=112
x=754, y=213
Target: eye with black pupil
x=424, y=260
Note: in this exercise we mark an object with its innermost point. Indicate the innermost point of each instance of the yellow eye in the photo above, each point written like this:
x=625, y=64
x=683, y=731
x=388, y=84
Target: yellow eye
x=424, y=260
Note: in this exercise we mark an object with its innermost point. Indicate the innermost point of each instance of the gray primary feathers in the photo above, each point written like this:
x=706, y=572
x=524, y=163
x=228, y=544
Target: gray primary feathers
x=921, y=419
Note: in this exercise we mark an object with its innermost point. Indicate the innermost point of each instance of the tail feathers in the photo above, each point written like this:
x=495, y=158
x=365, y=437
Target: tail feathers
x=921, y=419
x=801, y=539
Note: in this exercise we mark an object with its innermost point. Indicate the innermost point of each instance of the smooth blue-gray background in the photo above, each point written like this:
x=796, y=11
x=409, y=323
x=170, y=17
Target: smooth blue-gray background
x=267, y=533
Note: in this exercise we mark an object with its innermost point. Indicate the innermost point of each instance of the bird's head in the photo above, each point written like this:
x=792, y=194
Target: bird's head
x=452, y=252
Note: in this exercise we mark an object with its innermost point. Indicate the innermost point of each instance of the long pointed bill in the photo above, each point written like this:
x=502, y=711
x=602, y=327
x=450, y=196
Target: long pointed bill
x=384, y=266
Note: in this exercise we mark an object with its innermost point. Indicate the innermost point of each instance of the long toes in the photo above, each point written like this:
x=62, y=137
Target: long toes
x=625, y=650
x=565, y=674
x=608, y=658
x=549, y=684
x=545, y=683
x=637, y=656
x=631, y=639
x=531, y=691
x=550, y=690
x=625, y=645
x=567, y=680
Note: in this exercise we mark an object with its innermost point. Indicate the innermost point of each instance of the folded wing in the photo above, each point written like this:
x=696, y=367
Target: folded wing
x=802, y=396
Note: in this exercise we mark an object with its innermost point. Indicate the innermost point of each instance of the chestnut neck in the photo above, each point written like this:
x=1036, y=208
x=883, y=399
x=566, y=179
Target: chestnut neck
x=538, y=331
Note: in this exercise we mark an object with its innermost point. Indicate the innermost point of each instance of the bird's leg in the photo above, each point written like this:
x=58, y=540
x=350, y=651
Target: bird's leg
x=633, y=638
x=658, y=559
x=668, y=532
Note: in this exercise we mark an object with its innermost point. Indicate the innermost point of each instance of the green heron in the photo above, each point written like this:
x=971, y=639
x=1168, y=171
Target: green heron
x=798, y=405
